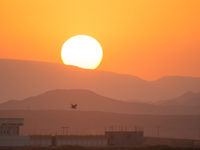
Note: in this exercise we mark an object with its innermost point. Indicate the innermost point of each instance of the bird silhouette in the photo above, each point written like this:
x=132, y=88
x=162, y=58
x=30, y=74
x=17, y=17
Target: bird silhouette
x=74, y=106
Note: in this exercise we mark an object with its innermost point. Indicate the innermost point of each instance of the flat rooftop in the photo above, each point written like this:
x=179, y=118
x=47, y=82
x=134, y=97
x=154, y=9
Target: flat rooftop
x=11, y=121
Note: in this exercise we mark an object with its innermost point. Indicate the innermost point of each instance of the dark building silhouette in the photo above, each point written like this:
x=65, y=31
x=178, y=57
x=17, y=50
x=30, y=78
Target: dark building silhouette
x=10, y=126
x=125, y=138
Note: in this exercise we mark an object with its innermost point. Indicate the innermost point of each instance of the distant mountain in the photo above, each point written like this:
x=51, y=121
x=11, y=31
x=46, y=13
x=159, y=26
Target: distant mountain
x=175, y=86
x=86, y=100
x=20, y=79
x=188, y=99
x=90, y=101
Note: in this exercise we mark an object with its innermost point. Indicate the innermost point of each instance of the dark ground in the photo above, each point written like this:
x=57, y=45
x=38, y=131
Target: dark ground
x=100, y=148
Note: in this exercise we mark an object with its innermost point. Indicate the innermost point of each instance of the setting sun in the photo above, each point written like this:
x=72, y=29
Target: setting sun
x=82, y=51
x=100, y=74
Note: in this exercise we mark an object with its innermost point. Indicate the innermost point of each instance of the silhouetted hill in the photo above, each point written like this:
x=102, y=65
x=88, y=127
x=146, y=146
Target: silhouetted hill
x=90, y=101
x=20, y=79
x=187, y=99
x=176, y=86
x=86, y=100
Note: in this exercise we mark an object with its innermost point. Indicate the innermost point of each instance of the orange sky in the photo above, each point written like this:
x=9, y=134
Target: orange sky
x=146, y=38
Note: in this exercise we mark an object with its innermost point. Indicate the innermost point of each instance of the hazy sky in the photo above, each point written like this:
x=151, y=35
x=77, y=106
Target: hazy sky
x=146, y=38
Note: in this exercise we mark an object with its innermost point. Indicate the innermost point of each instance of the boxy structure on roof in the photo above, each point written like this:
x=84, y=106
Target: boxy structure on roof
x=10, y=126
x=125, y=138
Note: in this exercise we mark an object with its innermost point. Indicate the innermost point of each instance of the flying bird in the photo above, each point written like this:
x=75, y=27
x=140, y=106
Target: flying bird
x=74, y=106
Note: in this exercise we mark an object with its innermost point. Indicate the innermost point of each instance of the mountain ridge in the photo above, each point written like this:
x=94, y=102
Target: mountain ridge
x=87, y=100
x=20, y=79
x=62, y=100
x=187, y=99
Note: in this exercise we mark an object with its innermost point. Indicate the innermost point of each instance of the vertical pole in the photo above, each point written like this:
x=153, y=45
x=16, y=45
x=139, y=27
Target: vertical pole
x=158, y=131
x=199, y=133
x=135, y=128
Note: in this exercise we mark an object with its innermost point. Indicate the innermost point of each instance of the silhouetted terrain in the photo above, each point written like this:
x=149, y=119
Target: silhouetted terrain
x=94, y=122
x=188, y=99
x=20, y=79
x=86, y=100
x=90, y=101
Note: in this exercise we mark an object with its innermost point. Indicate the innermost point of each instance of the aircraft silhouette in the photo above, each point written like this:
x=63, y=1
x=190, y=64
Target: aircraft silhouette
x=74, y=106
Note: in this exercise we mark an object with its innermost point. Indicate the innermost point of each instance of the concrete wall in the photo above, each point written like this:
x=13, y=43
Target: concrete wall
x=125, y=138
x=46, y=141
x=40, y=141
x=152, y=141
x=14, y=141
x=19, y=141
x=90, y=141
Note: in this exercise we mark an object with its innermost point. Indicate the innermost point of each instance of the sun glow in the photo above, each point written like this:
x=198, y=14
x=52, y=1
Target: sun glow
x=82, y=51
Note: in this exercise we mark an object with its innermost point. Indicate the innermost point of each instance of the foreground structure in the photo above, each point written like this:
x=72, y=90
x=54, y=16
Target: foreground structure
x=10, y=126
x=10, y=137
